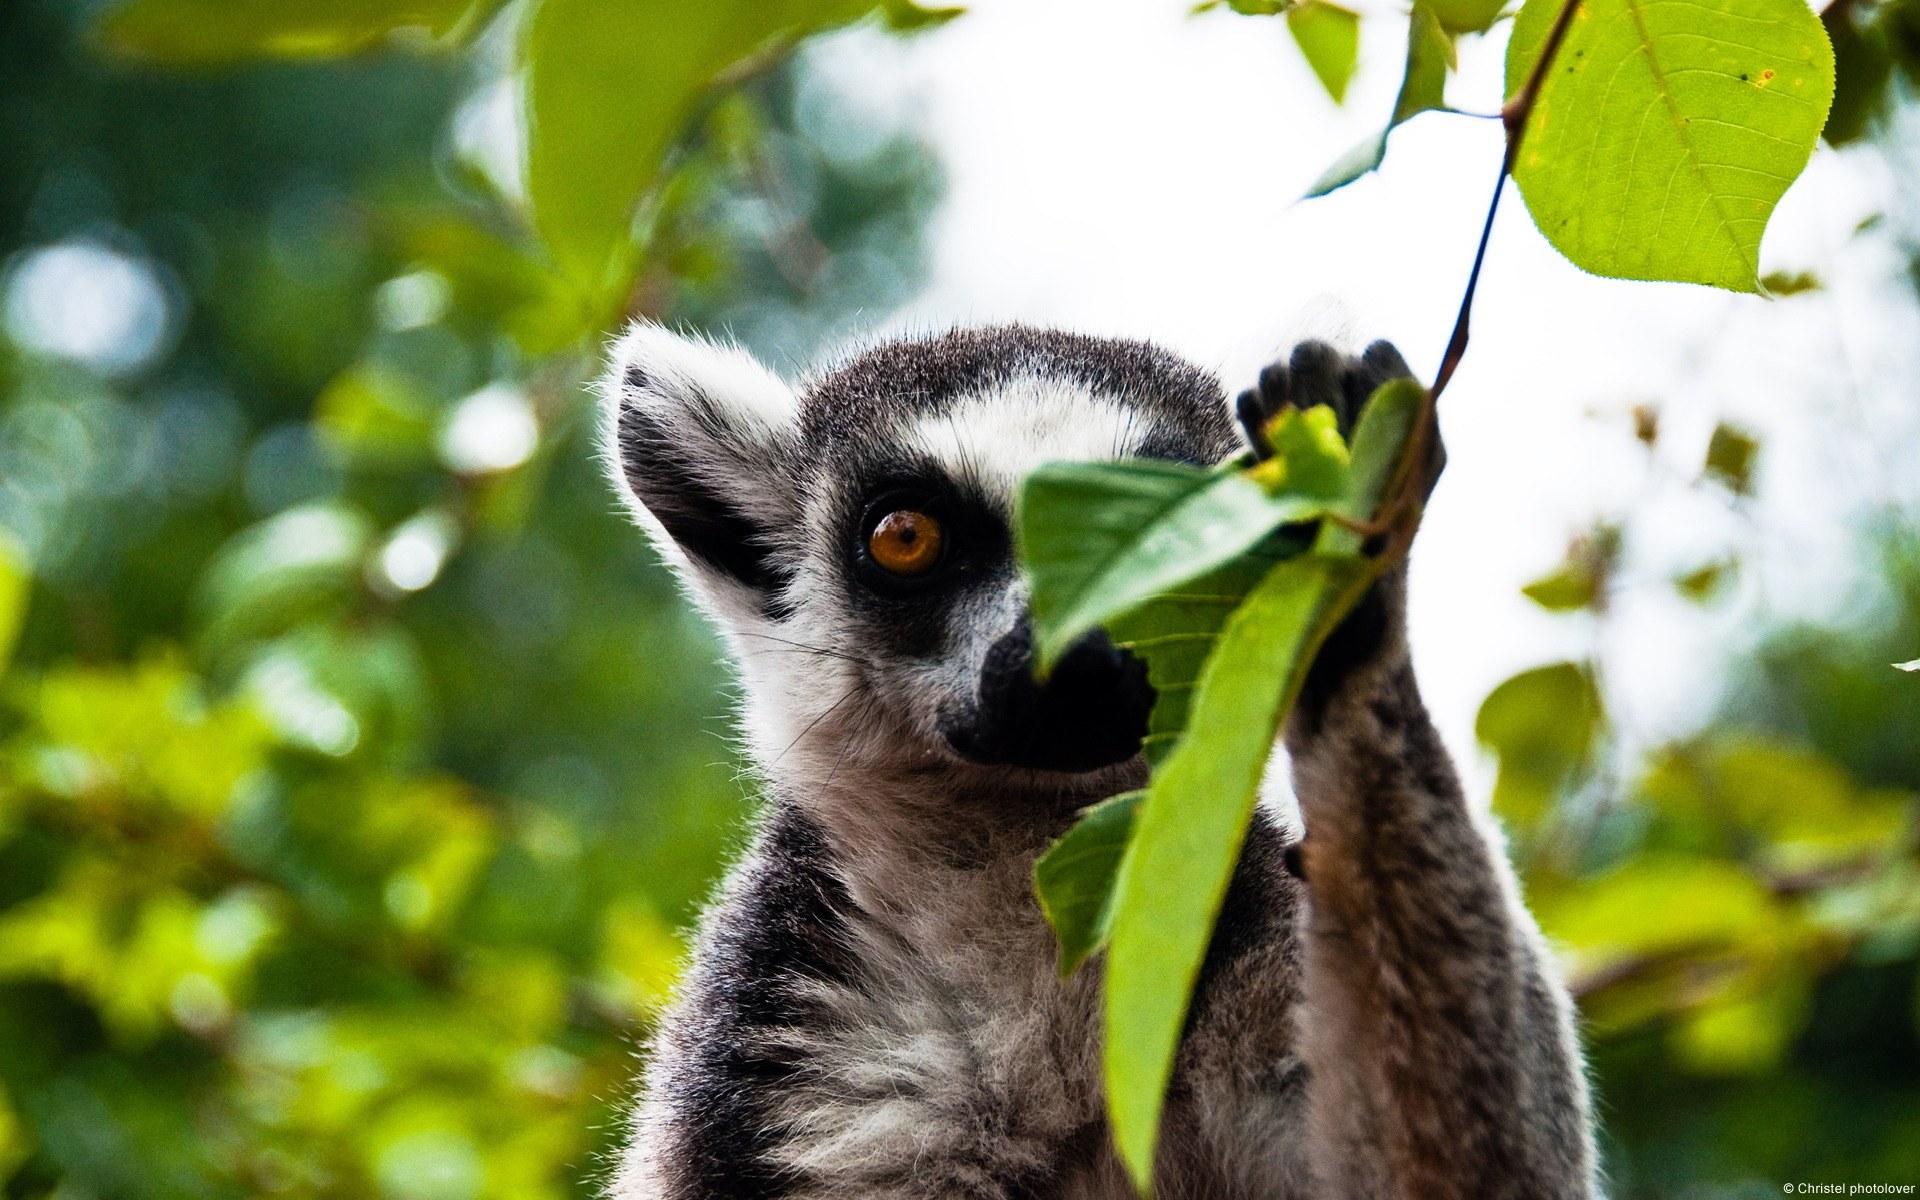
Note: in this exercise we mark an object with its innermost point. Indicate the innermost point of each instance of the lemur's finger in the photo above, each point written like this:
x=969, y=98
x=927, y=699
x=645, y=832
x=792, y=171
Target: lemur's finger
x=1253, y=422
x=1275, y=392
x=1377, y=364
x=1357, y=383
x=1315, y=375
x=1385, y=361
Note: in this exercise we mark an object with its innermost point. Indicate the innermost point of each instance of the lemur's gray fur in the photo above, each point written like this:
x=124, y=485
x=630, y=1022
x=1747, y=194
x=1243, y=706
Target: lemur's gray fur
x=873, y=1009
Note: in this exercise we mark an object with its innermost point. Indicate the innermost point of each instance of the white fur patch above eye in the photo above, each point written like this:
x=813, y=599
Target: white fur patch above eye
x=995, y=438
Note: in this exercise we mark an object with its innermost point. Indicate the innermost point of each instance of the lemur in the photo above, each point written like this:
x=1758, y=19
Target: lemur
x=872, y=1008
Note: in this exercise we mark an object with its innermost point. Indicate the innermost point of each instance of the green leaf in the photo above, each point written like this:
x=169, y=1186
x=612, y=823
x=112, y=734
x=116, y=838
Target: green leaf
x=1542, y=724
x=1247, y=8
x=1789, y=283
x=1100, y=539
x=1329, y=37
x=1466, y=16
x=905, y=16
x=15, y=584
x=1659, y=902
x=1580, y=581
x=1379, y=440
x=1564, y=589
x=1173, y=633
x=1189, y=832
x=1430, y=55
x=202, y=32
x=1074, y=878
x=1309, y=458
x=493, y=282
x=1704, y=583
x=610, y=84
x=1665, y=133
x=1730, y=455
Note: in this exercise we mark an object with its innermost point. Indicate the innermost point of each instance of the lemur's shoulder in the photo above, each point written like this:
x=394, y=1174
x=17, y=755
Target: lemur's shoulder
x=778, y=935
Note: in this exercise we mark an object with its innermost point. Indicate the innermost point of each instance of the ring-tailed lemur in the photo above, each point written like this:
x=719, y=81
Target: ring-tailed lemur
x=873, y=1008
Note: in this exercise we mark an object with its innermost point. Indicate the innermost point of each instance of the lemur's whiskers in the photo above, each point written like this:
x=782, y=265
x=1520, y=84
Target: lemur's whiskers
x=805, y=647
x=846, y=743
x=802, y=735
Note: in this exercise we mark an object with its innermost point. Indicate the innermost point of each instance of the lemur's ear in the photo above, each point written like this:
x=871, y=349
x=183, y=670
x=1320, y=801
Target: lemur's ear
x=701, y=439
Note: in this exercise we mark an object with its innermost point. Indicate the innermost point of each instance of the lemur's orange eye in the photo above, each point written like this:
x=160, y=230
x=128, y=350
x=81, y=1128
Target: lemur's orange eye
x=905, y=542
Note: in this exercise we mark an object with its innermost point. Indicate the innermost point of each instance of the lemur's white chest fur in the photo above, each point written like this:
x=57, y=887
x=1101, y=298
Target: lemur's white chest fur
x=873, y=1008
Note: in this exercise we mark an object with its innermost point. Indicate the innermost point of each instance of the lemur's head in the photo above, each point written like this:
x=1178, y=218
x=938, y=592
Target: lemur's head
x=853, y=538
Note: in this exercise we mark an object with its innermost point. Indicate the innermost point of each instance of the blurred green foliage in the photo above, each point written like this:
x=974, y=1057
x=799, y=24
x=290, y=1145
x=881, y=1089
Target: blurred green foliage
x=359, y=767
x=1739, y=909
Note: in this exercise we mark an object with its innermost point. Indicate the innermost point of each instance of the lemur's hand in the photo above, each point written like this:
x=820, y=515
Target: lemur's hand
x=1315, y=374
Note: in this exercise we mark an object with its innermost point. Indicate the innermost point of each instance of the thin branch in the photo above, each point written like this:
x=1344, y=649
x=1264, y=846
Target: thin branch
x=1401, y=509
x=1457, y=344
x=1513, y=114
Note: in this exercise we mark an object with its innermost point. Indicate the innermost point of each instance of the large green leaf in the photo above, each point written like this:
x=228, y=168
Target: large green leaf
x=1430, y=55
x=1175, y=632
x=609, y=86
x=1225, y=651
x=1665, y=132
x=1103, y=538
x=1189, y=832
x=215, y=31
x=1074, y=878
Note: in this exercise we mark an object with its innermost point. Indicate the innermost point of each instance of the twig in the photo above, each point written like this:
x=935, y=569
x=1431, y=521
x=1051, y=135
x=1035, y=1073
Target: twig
x=1404, y=494
x=1513, y=115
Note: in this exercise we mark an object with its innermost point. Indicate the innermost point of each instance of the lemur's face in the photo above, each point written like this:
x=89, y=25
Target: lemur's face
x=853, y=537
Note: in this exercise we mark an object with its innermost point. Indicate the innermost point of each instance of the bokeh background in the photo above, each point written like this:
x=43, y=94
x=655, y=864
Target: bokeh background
x=361, y=769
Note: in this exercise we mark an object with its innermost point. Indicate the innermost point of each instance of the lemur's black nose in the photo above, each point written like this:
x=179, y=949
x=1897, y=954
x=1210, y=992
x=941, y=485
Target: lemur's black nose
x=1091, y=712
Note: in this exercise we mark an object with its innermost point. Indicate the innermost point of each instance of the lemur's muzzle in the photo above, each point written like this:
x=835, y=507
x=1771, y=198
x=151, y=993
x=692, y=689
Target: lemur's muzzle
x=1091, y=712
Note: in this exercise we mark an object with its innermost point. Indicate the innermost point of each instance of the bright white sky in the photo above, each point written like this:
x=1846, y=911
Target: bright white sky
x=1118, y=166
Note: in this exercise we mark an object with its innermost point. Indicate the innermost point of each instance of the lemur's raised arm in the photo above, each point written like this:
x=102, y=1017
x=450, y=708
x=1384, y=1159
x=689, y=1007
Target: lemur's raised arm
x=872, y=1009
x=1440, y=1046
